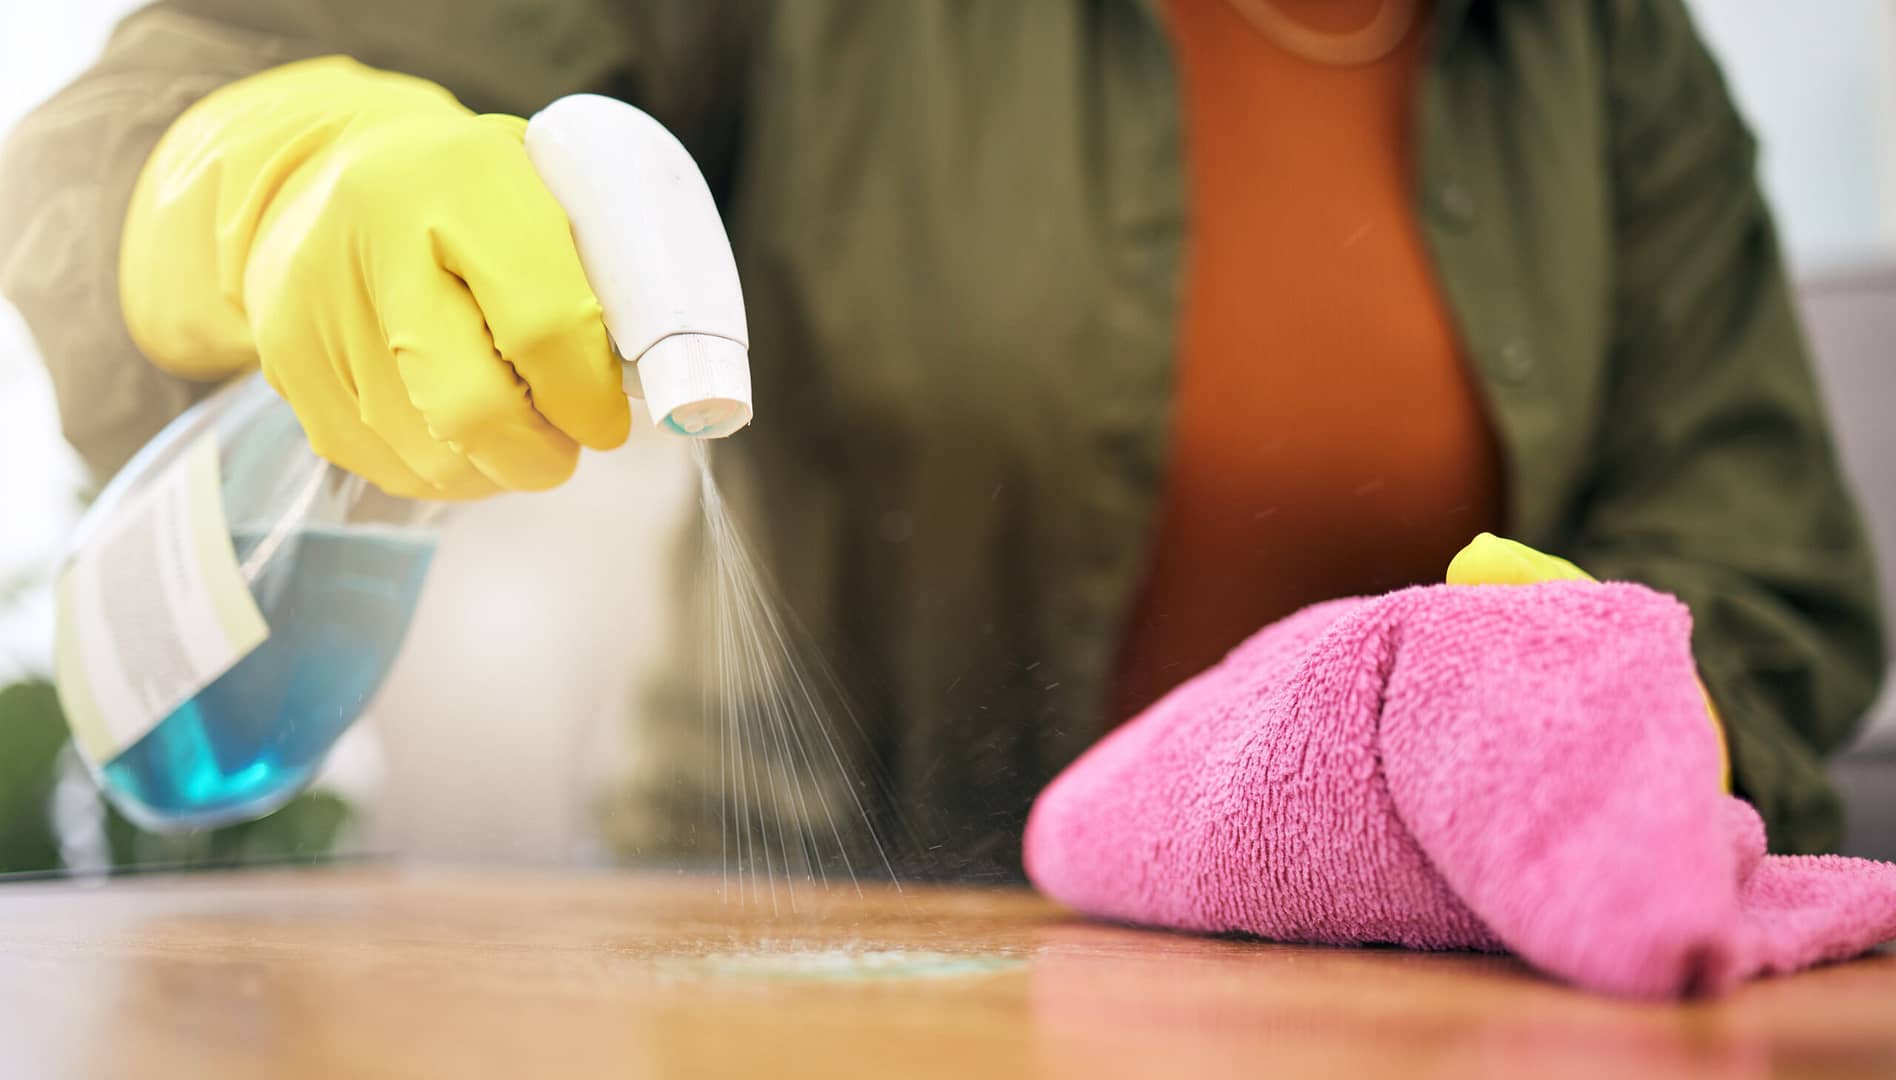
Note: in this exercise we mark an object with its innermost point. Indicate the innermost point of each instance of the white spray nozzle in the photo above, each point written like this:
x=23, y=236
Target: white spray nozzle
x=655, y=252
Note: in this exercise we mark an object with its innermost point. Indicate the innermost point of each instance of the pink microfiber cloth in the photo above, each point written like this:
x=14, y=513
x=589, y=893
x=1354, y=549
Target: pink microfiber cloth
x=1519, y=768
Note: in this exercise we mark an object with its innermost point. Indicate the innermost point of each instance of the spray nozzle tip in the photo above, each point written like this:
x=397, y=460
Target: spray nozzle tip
x=712, y=419
x=697, y=385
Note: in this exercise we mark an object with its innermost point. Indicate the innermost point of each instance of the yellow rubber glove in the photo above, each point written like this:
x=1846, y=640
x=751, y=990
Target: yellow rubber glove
x=1492, y=560
x=394, y=264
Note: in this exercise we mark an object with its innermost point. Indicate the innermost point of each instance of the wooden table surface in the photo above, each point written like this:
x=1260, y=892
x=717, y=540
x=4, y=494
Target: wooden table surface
x=394, y=972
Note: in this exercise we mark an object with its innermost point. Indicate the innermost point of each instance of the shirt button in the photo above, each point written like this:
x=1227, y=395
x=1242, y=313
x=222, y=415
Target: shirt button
x=1517, y=359
x=1455, y=203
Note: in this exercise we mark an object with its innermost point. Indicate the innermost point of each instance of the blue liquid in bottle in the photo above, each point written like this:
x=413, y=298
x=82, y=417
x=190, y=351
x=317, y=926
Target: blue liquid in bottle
x=338, y=602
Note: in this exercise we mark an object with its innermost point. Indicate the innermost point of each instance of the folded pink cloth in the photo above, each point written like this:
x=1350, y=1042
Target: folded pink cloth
x=1519, y=768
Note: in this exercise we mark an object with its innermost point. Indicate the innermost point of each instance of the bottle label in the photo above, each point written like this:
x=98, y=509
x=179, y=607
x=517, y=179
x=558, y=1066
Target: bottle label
x=153, y=610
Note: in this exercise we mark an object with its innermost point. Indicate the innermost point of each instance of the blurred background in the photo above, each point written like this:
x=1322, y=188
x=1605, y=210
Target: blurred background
x=515, y=701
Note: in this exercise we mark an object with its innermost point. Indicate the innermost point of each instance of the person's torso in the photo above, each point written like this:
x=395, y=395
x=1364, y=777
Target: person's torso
x=1328, y=438
x=961, y=231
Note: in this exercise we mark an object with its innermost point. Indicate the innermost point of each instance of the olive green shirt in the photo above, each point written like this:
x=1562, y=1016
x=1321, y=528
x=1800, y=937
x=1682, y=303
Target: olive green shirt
x=960, y=227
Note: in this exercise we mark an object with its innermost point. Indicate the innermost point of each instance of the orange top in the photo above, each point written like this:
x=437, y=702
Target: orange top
x=1327, y=440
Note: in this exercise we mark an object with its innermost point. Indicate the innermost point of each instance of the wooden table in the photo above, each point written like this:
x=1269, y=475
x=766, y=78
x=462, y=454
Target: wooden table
x=387, y=972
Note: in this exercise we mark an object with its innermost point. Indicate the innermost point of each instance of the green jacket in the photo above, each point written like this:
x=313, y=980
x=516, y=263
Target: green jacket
x=960, y=230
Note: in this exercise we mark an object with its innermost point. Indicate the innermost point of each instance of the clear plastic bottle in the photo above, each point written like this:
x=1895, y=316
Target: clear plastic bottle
x=335, y=569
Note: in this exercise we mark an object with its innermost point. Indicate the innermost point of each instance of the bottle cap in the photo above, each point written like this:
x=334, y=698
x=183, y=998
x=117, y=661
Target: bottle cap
x=696, y=384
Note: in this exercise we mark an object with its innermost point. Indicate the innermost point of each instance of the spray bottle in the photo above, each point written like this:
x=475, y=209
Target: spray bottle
x=231, y=603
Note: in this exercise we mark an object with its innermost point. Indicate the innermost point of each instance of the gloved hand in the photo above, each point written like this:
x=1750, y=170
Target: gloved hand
x=392, y=261
x=1492, y=560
